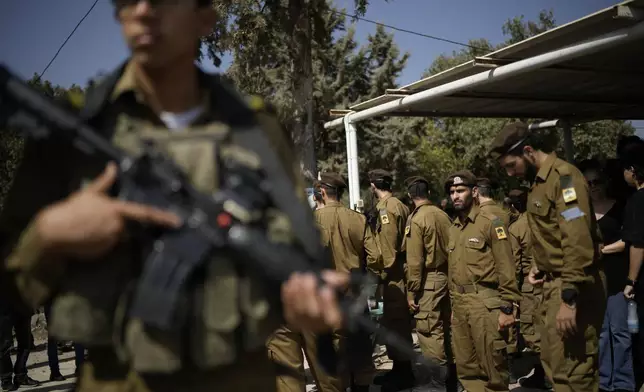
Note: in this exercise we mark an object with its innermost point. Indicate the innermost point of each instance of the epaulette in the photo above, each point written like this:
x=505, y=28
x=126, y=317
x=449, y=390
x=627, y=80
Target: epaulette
x=563, y=168
x=258, y=104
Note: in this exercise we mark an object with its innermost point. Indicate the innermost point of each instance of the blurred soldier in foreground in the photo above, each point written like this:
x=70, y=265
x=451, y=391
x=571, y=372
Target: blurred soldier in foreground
x=353, y=248
x=566, y=241
x=71, y=240
x=390, y=236
x=483, y=289
x=427, y=235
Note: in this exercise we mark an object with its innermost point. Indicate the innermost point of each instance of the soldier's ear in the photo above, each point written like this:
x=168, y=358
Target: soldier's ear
x=475, y=192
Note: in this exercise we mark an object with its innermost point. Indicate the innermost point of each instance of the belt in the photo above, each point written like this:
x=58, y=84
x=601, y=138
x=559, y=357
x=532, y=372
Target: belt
x=473, y=288
x=592, y=270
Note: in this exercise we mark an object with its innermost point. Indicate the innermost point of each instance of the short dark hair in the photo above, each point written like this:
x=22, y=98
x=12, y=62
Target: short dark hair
x=333, y=192
x=545, y=140
x=418, y=190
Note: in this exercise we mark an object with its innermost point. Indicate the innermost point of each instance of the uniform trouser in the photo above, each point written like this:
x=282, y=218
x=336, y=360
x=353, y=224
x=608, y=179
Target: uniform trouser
x=285, y=349
x=356, y=354
x=529, y=317
x=396, y=316
x=10, y=319
x=480, y=350
x=616, y=347
x=433, y=319
x=103, y=372
x=571, y=363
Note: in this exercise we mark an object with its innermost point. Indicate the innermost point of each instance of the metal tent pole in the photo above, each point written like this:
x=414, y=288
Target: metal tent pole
x=352, y=163
x=500, y=73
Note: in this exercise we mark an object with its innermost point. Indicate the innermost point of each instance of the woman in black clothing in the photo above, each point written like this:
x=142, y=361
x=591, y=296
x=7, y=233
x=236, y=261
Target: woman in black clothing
x=615, y=343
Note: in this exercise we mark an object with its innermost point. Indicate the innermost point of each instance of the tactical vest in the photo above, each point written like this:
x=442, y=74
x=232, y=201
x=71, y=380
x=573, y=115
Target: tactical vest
x=229, y=309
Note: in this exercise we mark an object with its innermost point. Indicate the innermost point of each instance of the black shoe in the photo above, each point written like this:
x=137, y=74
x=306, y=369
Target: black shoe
x=384, y=378
x=19, y=381
x=8, y=386
x=56, y=376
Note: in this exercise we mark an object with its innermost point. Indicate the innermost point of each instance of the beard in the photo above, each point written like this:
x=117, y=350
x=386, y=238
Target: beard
x=530, y=171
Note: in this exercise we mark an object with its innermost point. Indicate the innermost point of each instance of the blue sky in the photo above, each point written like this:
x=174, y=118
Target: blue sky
x=33, y=30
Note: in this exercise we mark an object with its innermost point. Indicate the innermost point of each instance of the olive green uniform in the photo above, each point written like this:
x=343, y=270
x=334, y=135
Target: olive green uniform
x=493, y=208
x=426, y=243
x=390, y=236
x=287, y=349
x=90, y=297
x=565, y=238
x=482, y=279
x=531, y=296
x=346, y=234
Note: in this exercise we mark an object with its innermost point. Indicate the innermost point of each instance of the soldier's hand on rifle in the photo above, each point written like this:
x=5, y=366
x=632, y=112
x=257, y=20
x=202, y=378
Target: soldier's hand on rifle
x=307, y=306
x=89, y=222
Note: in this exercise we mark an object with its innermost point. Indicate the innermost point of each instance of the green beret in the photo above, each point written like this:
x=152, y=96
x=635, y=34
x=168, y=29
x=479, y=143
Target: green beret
x=332, y=180
x=412, y=180
x=463, y=177
x=380, y=174
x=510, y=137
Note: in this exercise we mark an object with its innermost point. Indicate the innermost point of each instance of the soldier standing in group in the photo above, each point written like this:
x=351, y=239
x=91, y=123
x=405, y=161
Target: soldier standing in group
x=531, y=296
x=487, y=203
x=566, y=241
x=390, y=236
x=483, y=289
x=353, y=248
x=66, y=237
x=427, y=235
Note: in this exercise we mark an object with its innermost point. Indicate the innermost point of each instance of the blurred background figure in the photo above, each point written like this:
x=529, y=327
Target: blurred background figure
x=52, y=353
x=615, y=343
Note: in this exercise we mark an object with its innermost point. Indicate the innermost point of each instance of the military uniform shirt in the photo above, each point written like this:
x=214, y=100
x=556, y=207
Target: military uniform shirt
x=481, y=253
x=350, y=241
x=493, y=208
x=426, y=244
x=521, y=245
x=390, y=229
x=562, y=222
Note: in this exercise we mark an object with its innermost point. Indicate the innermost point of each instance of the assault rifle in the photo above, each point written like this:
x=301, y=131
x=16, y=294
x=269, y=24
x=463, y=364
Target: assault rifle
x=231, y=220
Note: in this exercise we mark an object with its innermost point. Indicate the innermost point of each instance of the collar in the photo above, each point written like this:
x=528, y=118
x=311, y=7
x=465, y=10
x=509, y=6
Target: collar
x=471, y=217
x=424, y=203
x=127, y=84
x=487, y=203
x=333, y=204
x=545, y=169
x=386, y=198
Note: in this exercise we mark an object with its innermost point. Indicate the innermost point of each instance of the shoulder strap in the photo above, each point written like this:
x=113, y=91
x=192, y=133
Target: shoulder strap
x=97, y=96
x=248, y=134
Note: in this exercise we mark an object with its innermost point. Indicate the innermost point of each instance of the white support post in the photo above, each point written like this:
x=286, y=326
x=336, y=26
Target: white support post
x=352, y=163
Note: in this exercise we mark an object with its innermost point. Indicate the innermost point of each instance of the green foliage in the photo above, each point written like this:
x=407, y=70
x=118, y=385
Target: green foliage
x=12, y=143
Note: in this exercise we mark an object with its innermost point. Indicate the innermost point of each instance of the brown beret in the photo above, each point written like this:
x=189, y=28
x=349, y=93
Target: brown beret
x=380, y=174
x=463, y=177
x=508, y=139
x=333, y=180
x=412, y=180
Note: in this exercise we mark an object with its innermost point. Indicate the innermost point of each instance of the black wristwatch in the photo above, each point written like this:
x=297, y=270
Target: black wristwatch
x=507, y=309
x=630, y=282
x=569, y=296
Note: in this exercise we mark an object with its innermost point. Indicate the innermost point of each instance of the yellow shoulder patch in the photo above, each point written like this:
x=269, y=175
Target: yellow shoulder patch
x=255, y=102
x=500, y=233
x=499, y=229
x=384, y=218
x=568, y=189
x=76, y=99
x=407, y=230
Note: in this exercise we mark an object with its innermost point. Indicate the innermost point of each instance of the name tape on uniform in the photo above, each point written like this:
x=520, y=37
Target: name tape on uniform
x=572, y=214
